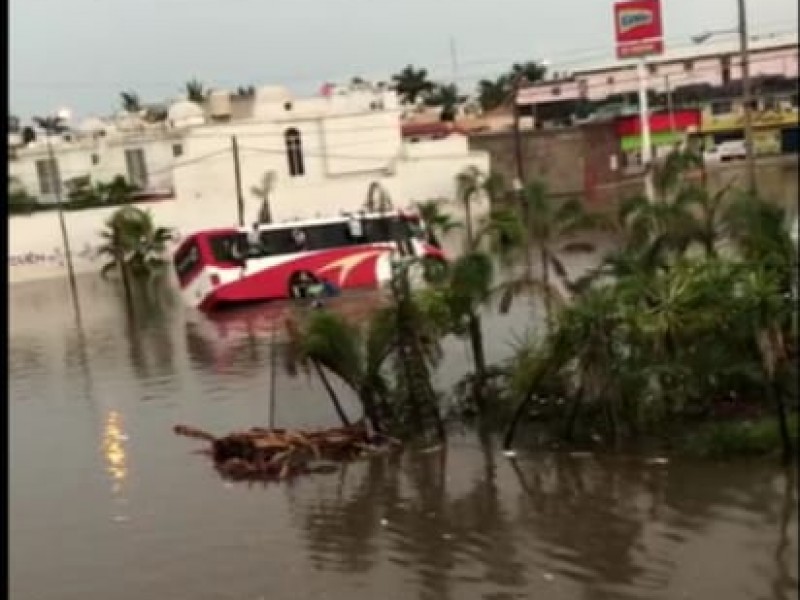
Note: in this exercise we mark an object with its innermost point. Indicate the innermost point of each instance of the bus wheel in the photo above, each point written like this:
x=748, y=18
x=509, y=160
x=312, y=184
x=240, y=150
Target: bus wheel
x=299, y=284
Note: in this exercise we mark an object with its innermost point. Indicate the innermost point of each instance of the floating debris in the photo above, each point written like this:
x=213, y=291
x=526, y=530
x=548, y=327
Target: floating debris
x=509, y=453
x=275, y=454
x=658, y=460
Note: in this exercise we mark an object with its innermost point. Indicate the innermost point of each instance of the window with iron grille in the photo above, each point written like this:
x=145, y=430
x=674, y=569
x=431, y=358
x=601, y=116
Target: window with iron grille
x=47, y=173
x=294, y=152
x=137, y=167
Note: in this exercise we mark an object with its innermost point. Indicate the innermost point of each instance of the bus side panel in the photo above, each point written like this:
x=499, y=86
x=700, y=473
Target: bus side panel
x=351, y=267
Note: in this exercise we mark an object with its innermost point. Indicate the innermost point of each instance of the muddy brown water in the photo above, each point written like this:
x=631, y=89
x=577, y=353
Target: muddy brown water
x=106, y=503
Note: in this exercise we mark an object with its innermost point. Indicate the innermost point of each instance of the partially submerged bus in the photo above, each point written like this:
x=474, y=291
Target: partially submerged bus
x=222, y=267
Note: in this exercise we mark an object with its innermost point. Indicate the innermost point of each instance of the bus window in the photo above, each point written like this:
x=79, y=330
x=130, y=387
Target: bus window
x=186, y=259
x=331, y=235
x=377, y=230
x=277, y=241
x=223, y=250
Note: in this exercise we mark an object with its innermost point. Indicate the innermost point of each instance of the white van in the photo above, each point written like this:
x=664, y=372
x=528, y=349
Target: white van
x=725, y=151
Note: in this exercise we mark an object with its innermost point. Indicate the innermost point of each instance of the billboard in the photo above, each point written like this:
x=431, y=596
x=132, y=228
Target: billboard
x=637, y=28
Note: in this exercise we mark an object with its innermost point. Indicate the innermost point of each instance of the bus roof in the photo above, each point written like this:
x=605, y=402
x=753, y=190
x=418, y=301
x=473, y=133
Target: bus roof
x=304, y=222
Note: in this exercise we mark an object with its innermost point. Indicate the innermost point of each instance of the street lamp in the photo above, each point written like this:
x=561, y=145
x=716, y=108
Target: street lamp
x=56, y=124
x=744, y=59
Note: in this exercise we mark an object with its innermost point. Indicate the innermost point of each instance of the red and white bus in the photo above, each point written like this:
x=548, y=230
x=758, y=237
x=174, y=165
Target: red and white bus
x=231, y=266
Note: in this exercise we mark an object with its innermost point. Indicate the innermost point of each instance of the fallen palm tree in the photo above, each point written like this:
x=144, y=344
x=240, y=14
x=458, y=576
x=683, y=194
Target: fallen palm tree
x=260, y=453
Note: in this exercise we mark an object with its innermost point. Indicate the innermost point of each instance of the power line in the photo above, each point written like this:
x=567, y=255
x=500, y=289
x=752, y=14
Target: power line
x=569, y=59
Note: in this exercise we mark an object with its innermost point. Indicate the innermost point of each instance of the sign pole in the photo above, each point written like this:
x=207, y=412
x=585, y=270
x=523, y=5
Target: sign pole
x=644, y=122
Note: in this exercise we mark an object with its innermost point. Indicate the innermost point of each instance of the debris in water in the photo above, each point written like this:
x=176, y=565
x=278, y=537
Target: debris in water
x=270, y=454
x=384, y=522
x=509, y=453
x=580, y=454
x=548, y=577
x=658, y=460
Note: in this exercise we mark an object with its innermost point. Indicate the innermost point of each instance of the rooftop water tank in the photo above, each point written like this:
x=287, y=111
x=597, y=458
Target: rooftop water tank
x=219, y=103
x=185, y=114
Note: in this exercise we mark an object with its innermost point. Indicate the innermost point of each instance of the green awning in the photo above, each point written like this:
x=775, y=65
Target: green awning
x=663, y=138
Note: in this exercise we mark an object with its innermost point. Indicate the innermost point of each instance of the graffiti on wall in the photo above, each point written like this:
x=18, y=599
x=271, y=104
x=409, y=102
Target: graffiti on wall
x=56, y=257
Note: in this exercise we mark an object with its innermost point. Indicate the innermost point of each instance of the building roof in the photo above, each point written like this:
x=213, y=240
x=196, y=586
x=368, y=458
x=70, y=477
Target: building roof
x=711, y=48
x=436, y=128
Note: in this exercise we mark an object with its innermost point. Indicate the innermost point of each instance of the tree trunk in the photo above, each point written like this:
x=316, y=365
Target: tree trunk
x=572, y=417
x=332, y=394
x=124, y=272
x=546, y=281
x=468, y=221
x=479, y=359
x=370, y=409
x=775, y=393
x=508, y=439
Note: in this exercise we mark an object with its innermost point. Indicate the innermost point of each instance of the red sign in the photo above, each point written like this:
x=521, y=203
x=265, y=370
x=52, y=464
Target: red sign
x=681, y=120
x=637, y=27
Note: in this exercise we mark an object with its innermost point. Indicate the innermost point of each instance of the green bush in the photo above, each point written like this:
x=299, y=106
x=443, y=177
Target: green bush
x=737, y=438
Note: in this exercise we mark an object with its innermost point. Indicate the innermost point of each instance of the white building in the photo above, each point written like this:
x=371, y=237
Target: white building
x=323, y=154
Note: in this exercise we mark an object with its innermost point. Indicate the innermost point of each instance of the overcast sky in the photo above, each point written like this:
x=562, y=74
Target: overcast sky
x=82, y=53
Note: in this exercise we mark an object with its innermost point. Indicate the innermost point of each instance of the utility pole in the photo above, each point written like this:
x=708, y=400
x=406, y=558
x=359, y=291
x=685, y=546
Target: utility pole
x=454, y=60
x=644, y=123
x=517, y=137
x=50, y=125
x=238, y=175
x=519, y=180
x=670, y=106
x=747, y=99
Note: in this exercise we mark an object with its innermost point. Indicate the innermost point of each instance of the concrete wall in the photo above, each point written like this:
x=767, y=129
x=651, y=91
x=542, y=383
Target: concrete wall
x=567, y=160
x=578, y=161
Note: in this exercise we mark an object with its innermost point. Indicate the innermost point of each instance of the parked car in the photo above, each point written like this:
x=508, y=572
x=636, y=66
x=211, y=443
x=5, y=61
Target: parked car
x=725, y=151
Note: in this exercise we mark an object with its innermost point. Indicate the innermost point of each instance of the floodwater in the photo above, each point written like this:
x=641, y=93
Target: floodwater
x=107, y=503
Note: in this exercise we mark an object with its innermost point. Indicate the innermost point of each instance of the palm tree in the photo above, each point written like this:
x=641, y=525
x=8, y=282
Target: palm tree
x=447, y=97
x=437, y=223
x=378, y=198
x=134, y=245
x=264, y=192
x=544, y=223
x=412, y=84
x=353, y=354
x=130, y=101
x=493, y=93
x=416, y=350
x=530, y=71
x=195, y=91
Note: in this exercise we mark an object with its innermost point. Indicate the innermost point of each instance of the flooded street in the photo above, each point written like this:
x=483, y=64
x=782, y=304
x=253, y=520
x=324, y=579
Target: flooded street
x=107, y=503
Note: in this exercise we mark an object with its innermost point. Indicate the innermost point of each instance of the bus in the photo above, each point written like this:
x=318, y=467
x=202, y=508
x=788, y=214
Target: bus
x=233, y=266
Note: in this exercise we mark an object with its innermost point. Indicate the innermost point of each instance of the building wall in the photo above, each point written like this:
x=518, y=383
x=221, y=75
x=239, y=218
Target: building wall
x=427, y=171
x=662, y=75
x=349, y=142
x=567, y=160
x=75, y=159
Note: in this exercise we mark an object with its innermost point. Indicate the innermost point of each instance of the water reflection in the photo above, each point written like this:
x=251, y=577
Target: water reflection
x=113, y=446
x=459, y=523
x=593, y=528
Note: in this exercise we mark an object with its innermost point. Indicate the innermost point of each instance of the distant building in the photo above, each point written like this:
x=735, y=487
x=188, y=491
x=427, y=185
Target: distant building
x=320, y=156
x=702, y=65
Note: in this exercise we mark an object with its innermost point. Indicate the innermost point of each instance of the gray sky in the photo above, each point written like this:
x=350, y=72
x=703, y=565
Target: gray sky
x=82, y=53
